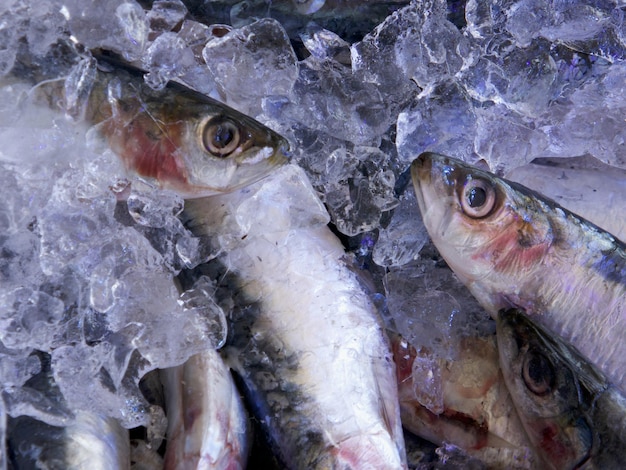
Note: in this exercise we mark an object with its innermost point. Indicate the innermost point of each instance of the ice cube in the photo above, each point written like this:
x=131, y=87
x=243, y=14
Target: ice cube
x=118, y=25
x=261, y=50
x=165, y=15
x=441, y=119
x=167, y=58
x=401, y=241
x=356, y=205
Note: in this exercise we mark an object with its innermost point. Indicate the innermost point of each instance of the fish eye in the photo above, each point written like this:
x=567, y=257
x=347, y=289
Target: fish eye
x=478, y=198
x=220, y=136
x=538, y=373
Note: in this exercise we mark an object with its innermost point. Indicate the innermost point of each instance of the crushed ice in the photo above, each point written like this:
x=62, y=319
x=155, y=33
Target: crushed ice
x=88, y=257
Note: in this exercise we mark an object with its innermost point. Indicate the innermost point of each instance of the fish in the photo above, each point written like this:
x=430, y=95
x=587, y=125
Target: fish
x=512, y=247
x=476, y=412
x=305, y=338
x=575, y=417
x=177, y=138
x=207, y=424
x=91, y=441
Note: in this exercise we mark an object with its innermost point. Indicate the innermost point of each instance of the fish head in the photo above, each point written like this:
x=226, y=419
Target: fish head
x=552, y=387
x=483, y=227
x=188, y=142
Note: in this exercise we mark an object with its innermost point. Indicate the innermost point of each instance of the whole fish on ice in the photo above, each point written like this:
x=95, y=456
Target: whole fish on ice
x=306, y=338
x=179, y=138
x=572, y=414
x=187, y=142
x=514, y=248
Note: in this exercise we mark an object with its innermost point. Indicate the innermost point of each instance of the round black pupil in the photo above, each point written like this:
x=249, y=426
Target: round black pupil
x=223, y=135
x=540, y=370
x=476, y=197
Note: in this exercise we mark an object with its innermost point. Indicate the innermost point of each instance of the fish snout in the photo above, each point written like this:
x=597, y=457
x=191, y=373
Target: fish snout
x=421, y=170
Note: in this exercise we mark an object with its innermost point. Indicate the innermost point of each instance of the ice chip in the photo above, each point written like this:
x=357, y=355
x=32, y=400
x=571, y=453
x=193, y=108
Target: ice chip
x=200, y=300
x=45, y=26
x=427, y=378
x=119, y=25
x=324, y=44
x=526, y=19
x=401, y=241
x=261, y=50
x=356, y=207
x=9, y=36
x=505, y=139
x=294, y=204
x=165, y=15
x=167, y=58
x=152, y=208
x=78, y=86
x=441, y=119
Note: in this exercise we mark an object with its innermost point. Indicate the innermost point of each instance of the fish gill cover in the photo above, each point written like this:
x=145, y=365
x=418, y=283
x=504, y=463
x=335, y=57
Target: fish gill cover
x=87, y=259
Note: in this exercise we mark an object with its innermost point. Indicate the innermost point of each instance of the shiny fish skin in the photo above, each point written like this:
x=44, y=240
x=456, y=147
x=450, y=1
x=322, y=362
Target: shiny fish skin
x=207, y=425
x=528, y=252
x=179, y=138
x=307, y=341
x=573, y=415
x=91, y=442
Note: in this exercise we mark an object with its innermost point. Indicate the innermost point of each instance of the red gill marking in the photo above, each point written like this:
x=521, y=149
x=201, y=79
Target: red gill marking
x=150, y=154
x=506, y=252
x=558, y=450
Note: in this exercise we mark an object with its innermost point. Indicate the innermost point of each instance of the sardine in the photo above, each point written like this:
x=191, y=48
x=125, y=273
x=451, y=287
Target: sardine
x=571, y=412
x=207, y=425
x=514, y=248
x=179, y=138
x=306, y=340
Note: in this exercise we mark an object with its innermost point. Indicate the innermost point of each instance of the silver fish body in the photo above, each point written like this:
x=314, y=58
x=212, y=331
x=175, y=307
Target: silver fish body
x=572, y=414
x=91, y=441
x=207, y=424
x=514, y=248
x=306, y=340
x=179, y=138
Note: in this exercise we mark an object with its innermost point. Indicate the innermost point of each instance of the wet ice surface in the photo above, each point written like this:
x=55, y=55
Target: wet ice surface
x=89, y=253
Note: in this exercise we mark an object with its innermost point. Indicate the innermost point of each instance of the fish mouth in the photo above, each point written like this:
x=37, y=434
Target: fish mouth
x=421, y=177
x=432, y=176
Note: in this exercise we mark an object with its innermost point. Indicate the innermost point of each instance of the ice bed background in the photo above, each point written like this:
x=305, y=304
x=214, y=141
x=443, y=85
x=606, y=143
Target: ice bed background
x=360, y=88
